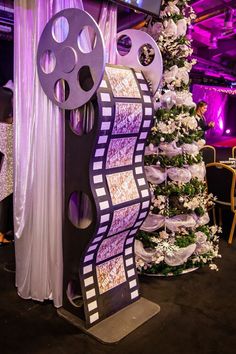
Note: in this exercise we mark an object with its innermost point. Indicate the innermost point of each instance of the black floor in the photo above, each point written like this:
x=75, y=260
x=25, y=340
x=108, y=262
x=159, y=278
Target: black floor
x=198, y=315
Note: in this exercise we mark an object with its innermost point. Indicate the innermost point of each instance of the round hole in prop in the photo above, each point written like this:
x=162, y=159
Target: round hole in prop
x=85, y=78
x=146, y=54
x=124, y=44
x=73, y=293
x=82, y=119
x=48, y=62
x=61, y=90
x=60, y=29
x=80, y=210
x=87, y=39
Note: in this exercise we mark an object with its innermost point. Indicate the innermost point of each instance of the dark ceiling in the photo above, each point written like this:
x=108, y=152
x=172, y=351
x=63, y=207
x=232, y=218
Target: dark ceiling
x=213, y=36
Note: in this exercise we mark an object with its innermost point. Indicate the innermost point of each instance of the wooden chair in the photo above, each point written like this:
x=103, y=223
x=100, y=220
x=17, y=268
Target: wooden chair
x=234, y=152
x=221, y=183
x=208, y=153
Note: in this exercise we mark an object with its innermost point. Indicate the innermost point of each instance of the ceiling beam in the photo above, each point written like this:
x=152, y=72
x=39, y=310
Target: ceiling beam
x=211, y=13
x=201, y=35
x=211, y=65
x=224, y=2
x=224, y=46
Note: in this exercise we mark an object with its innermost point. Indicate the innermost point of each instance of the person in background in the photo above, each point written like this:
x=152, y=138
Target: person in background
x=200, y=113
x=6, y=164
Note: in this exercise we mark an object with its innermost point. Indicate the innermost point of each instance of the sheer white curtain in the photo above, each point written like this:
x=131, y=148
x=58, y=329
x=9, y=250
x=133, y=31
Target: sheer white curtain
x=39, y=139
x=108, y=25
x=39, y=151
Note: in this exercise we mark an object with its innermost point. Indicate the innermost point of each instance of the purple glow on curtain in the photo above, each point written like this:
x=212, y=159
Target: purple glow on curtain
x=38, y=165
x=217, y=107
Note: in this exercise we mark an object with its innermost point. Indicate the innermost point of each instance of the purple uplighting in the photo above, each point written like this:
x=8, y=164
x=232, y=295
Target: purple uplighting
x=221, y=124
x=228, y=131
x=217, y=107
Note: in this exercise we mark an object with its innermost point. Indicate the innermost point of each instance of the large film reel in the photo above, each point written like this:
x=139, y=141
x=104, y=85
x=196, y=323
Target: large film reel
x=153, y=71
x=69, y=71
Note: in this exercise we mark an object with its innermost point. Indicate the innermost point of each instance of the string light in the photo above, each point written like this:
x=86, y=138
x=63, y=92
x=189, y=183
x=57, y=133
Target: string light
x=221, y=90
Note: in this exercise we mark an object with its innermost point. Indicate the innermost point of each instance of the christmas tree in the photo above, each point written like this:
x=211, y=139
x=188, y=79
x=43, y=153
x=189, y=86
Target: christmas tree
x=176, y=235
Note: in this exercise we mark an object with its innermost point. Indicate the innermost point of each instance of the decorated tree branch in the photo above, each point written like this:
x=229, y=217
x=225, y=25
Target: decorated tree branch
x=176, y=235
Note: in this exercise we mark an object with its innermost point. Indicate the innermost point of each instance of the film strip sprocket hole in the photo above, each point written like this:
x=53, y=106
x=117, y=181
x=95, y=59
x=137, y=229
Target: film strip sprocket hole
x=120, y=188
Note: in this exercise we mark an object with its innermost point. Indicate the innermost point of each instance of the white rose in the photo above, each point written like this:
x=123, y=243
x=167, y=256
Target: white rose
x=201, y=143
x=183, y=75
x=181, y=27
x=170, y=75
x=170, y=28
x=172, y=9
x=190, y=122
x=191, y=149
x=184, y=98
x=168, y=99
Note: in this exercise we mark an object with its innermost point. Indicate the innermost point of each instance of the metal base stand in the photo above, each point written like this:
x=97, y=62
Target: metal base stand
x=119, y=325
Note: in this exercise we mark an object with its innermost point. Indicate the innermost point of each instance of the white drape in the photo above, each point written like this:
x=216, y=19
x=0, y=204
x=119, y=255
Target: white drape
x=39, y=138
x=108, y=25
x=39, y=151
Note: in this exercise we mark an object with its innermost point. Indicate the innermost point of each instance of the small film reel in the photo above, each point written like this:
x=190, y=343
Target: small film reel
x=143, y=55
x=71, y=58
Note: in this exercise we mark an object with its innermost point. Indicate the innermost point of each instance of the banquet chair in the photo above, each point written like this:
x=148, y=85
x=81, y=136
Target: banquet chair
x=234, y=152
x=208, y=153
x=220, y=180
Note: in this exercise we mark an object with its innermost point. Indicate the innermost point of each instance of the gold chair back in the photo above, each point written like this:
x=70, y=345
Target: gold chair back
x=234, y=152
x=208, y=153
x=221, y=181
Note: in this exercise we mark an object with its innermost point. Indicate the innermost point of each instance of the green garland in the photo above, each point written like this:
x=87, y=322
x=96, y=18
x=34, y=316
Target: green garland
x=177, y=123
x=164, y=269
x=165, y=114
x=191, y=189
x=175, y=161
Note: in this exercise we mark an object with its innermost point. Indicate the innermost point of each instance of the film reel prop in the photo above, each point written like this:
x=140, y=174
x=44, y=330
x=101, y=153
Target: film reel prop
x=104, y=174
x=140, y=41
x=69, y=70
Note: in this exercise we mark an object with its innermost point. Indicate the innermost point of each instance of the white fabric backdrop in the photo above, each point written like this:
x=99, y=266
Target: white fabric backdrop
x=38, y=192
x=39, y=151
x=108, y=25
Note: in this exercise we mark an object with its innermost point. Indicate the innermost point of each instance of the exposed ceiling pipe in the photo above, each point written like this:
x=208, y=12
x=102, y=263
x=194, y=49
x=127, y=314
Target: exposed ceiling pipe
x=140, y=25
x=213, y=65
x=208, y=15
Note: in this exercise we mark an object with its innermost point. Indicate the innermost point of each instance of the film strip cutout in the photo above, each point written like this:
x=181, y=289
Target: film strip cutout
x=109, y=263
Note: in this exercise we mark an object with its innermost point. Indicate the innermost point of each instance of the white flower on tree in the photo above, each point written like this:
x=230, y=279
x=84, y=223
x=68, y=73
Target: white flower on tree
x=175, y=234
x=181, y=27
x=171, y=9
x=170, y=28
